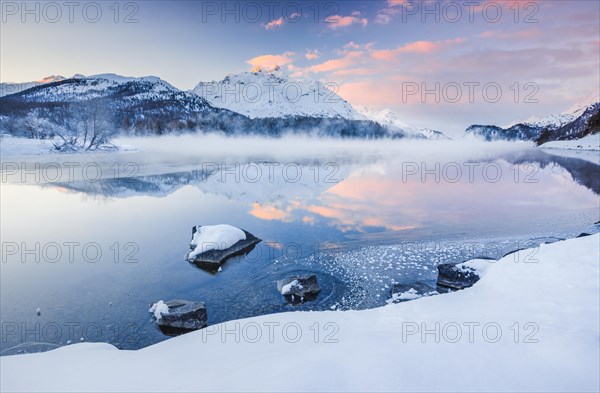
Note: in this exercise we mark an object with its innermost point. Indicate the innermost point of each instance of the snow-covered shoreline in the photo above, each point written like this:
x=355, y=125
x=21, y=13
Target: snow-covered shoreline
x=588, y=143
x=11, y=147
x=530, y=324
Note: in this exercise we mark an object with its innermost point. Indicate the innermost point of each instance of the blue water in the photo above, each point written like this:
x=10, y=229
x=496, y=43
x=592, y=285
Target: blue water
x=360, y=226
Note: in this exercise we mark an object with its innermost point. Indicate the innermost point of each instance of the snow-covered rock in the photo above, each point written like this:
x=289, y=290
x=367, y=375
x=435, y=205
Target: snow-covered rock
x=264, y=93
x=180, y=314
x=502, y=334
x=214, y=237
x=159, y=309
x=462, y=275
x=299, y=288
x=405, y=292
x=211, y=245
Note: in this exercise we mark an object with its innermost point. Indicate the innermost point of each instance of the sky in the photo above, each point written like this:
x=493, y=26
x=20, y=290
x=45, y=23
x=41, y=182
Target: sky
x=441, y=64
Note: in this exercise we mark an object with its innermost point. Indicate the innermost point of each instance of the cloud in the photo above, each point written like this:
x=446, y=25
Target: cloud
x=353, y=72
x=273, y=24
x=352, y=45
x=269, y=213
x=312, y=54
x=385, y=15
x=510, y=35
x=270, y=61
x=348, y=60
x=335, y=22
x=414, y=47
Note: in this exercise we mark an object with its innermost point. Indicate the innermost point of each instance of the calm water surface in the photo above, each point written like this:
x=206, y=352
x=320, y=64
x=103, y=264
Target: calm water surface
x=92, y=256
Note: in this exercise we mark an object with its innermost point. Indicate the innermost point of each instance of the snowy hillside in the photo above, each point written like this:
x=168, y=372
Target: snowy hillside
x=576, y=122
x=453, y=342
x=150, y=105
x=588, y=143
x=555, y=121
x=99, y=86
x=144, y=104
x=7, y=88
x=264, y=93
x=391, y=120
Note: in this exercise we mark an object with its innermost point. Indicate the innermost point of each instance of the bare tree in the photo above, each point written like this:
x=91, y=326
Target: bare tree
x=37, y=127
x=90, y=129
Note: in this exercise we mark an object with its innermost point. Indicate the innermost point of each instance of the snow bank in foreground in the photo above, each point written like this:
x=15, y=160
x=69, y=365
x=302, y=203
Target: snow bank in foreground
x=214, y=237
x=523, y=327
x=590, y=142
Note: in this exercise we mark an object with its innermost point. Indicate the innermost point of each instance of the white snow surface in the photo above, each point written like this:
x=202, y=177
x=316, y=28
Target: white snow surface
x=159, y=309
x=272, y=93
x=478, y=266
x=411, y=294
x=214, y=237
x=391, y=121
x=11, y=147
x=590, y=142
x=555, y=303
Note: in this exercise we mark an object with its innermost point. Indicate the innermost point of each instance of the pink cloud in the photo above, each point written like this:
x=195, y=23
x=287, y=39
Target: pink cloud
x=371, y=93
x=335, y=22
x=414, y=47
x=353, y=72
x=270, y=61
x=352, y=45
x=273, y=24
x=312, y=54
x=348, y=60
x=509, y=35
x=269, y=213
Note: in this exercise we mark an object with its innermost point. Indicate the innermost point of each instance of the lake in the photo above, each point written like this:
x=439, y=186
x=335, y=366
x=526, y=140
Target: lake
x=91, y=241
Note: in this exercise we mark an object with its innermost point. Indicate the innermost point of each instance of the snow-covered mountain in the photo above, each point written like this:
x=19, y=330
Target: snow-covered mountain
x=150, y=105
x=577, y=121
x=7, y=88
x=391, y=120
x=100, y=86
x=557, y=120
x=264, y=93
x=146, y=103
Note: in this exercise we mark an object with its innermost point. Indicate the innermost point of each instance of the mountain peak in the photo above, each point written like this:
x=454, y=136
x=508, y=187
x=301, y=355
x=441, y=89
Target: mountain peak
x=265, y=69
x=580, y=106
x=51, y=78
x=270, y=92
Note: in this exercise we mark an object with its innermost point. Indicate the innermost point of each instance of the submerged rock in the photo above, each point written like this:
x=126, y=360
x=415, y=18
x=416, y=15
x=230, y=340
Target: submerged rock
x=406, y=292
x=462, y=275
x=299, y=288
x=213, y=257
x=180, y=314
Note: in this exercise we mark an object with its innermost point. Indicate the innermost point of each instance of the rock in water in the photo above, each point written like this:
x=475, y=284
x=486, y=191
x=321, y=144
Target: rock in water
x=212, y=259
x=299, y=288
x=462, y=275
x=183, y=315
x=406, y=292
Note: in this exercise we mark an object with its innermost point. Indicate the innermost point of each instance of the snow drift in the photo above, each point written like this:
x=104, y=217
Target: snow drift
x=523, y=327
